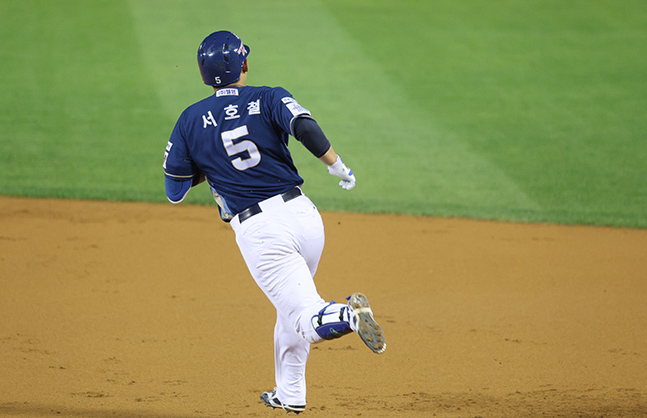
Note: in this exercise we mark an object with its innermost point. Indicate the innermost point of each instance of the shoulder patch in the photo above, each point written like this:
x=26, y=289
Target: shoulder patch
x=294, y=107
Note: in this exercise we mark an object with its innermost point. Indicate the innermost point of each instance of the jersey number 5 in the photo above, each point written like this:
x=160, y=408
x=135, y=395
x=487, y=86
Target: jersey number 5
x=246, y=145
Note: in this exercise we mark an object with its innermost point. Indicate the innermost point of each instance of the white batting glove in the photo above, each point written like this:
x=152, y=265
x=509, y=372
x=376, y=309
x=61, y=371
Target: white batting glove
x=226, y=216
x=346, y=175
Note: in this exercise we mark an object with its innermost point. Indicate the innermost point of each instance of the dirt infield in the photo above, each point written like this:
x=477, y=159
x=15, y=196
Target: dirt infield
x=147, y=311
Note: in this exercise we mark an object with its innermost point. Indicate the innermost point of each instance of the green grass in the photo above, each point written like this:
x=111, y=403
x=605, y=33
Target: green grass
x=525, y=111
x=79, y=118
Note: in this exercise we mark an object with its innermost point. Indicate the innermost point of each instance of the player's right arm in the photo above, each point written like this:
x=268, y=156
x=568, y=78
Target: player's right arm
x=309, y=133
x=298, y=121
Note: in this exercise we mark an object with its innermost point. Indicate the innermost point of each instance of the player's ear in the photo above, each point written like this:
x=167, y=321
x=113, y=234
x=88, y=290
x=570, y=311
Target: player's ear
x=245, y=66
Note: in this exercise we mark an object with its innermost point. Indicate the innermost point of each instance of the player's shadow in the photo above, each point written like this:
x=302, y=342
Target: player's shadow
x=30, y=410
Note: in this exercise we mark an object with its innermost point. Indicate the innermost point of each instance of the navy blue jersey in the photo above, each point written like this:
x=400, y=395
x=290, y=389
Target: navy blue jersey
x=238, y=138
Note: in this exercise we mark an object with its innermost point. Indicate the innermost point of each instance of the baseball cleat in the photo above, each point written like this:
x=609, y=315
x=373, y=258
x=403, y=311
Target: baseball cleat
x=270, y=399
x=363, y=323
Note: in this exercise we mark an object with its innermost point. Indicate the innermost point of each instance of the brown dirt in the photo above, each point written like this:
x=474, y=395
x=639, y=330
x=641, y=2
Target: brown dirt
x=147, y=311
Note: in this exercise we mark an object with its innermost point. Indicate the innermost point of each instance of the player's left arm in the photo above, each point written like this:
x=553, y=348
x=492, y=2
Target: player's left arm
x=178, y=188
x=180, y=172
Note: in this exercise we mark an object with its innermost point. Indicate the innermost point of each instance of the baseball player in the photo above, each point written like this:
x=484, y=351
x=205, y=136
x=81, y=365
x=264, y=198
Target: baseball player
x=236, y=140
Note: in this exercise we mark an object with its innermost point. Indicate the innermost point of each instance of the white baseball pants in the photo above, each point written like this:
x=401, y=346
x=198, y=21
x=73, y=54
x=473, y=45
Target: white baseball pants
x=282, y=247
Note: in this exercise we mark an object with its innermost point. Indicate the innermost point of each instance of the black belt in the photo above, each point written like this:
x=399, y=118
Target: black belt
x=255, y=209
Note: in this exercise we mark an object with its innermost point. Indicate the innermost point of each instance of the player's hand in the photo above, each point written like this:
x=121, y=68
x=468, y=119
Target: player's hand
x=346, y=175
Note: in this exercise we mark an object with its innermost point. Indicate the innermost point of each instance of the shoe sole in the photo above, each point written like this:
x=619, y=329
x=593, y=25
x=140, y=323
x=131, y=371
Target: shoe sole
x=367, y=329
x=296, y=411
x=269, y=401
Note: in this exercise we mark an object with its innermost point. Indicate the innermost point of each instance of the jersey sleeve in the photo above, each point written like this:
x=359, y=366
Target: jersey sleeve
x=285, y=109
x=178, y=164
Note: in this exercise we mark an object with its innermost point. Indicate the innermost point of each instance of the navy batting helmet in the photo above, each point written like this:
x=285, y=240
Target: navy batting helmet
x=220, y=57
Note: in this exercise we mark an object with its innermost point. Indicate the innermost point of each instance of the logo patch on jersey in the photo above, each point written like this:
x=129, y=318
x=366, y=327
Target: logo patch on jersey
x=227, y=92
x=294, y=107
x=169, y=145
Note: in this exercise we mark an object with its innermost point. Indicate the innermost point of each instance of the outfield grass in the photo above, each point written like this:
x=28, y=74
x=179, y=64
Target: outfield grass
x=525, y=111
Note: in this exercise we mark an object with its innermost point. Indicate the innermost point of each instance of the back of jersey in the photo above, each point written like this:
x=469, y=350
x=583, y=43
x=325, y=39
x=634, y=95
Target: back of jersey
x=238, y=137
